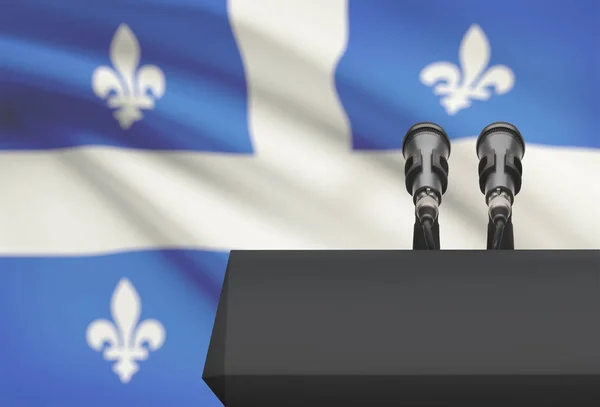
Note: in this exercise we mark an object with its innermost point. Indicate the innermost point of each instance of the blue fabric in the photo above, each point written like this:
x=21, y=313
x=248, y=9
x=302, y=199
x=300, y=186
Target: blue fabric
x=50, y=50
x=550, y=46
x=47, y=304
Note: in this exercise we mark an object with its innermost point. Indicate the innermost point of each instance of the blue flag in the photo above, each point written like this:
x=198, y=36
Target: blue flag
x=466, y=64
x=77, y=74
x=142, y=141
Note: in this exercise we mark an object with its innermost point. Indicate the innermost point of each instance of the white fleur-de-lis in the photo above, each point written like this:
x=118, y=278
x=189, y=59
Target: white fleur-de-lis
x=128, y=89
x=124, y=341
x=471, y=81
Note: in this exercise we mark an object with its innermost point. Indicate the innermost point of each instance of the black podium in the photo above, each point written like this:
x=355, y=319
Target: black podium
x=408, y=328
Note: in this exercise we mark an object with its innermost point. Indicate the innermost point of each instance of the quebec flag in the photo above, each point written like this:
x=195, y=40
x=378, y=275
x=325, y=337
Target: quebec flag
x=140, y=141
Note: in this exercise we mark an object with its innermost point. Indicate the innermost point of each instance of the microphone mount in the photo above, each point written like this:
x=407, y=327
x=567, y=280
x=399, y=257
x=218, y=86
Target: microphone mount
x=499, y=212
x=427, y=209
x=426, y=148
x=500, y=148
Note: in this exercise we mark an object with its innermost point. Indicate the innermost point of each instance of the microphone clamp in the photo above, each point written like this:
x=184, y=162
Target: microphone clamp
x=427, y=205
x=499, y=206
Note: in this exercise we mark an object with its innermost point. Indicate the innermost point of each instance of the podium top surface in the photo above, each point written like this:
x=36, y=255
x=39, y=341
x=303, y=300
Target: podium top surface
x=388, y=328
x=413, y=312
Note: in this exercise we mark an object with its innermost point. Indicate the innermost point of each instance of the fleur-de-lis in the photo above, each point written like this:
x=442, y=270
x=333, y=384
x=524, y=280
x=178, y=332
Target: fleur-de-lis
x=128, y=89
x=124, y=341
x=475, y=82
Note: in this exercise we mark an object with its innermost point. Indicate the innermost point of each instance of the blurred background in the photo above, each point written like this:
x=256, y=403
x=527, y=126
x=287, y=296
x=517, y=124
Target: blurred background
x=142, y=140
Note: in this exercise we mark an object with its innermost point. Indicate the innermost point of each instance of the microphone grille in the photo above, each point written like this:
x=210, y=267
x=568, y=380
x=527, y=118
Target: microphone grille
x=425, y=127
x=497, y=127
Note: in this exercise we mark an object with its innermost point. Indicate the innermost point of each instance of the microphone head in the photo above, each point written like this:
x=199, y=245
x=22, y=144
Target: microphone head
x=500, y=149
x=426, y=148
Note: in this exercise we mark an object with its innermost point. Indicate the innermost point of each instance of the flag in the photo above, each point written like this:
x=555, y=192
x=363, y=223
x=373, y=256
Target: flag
x=142, y=141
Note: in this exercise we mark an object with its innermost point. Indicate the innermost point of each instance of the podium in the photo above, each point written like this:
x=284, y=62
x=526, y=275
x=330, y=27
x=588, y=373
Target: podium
x=408, y=328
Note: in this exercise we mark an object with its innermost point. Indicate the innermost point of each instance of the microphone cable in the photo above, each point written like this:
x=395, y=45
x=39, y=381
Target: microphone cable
x=499, y=226
x=427, y=226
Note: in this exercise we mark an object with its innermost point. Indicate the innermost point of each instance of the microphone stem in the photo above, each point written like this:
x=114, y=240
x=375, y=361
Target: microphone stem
x=498, y=233
x=428, y=232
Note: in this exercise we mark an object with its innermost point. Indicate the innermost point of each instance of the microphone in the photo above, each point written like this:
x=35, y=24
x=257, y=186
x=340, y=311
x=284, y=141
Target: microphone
x=426, y=148
x=500, y=149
